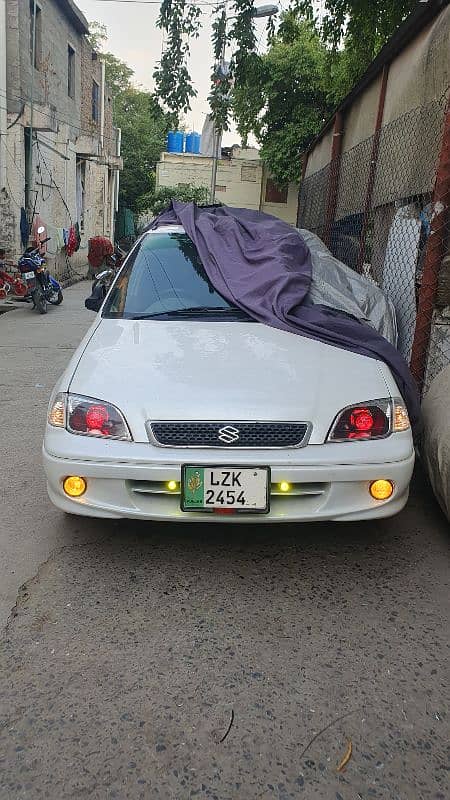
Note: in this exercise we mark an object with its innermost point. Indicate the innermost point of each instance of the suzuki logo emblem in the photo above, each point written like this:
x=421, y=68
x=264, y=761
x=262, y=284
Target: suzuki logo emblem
x=228, y=434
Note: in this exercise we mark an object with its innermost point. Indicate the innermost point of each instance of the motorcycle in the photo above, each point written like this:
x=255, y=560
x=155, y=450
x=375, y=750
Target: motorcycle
x=103, y=280
x=42, y=288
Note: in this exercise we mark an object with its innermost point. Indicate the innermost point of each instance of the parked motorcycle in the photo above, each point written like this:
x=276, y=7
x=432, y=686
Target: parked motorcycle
x=42, y=288
x=103, y=280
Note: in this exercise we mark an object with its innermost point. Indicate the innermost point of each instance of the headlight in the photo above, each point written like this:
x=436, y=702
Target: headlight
x=374, y=419
x=87, y=416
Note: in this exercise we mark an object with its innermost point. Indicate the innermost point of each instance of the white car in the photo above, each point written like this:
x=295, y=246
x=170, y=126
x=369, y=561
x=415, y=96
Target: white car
x=177, y=406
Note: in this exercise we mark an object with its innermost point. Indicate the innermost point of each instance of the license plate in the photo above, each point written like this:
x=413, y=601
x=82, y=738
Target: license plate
x=29, y=276
x=225, y=489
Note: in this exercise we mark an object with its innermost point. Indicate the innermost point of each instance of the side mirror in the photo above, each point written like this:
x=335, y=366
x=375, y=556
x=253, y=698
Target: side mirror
x=93, y=303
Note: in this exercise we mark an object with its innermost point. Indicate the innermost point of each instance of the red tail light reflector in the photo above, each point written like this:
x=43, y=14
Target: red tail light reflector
x=365, y=421
x=90, y=417
x=96, y=416
x=361, y=419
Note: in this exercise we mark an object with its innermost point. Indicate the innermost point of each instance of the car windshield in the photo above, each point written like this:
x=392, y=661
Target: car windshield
x=165, y=279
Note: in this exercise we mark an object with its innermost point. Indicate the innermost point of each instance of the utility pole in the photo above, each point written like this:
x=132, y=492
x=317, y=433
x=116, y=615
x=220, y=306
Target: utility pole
x=29, y=175
x=257, y=13
x=217, y=134
x=3, y=94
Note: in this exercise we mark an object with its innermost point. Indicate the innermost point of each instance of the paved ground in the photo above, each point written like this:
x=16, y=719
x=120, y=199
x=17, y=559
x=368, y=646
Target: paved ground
x=144, y=661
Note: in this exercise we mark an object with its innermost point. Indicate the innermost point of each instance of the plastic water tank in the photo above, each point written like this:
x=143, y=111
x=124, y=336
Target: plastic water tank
x=197, y=143
x=175, y=142
x=190, y=142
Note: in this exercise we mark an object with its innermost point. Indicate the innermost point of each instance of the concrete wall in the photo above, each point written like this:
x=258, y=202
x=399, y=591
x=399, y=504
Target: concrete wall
x=286, y=211
x=418, y=77
x=50, y=80
x=320, y=155
x=240, y=181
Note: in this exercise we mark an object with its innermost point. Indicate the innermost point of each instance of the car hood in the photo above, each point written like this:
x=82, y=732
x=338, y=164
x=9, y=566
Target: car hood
x=221, y=371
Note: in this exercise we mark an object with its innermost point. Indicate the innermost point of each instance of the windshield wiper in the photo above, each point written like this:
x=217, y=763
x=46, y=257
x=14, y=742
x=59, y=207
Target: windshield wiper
x=194, y=311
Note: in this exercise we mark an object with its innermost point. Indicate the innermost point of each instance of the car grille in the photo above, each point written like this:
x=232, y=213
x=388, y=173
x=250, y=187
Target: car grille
x=229, y=434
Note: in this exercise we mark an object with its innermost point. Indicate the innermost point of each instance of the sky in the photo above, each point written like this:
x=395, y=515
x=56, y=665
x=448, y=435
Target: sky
x=134, y=38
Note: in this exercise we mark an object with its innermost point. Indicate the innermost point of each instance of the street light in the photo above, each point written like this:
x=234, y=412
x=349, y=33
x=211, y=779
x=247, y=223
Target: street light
x=265, y=11
x=268, y=10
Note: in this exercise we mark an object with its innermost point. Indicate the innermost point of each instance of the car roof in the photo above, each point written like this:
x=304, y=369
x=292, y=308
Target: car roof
x=166, y=229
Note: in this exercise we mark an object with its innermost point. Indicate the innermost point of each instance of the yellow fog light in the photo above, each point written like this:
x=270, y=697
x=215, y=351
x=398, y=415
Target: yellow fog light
x=74, y=486
x=285, y=486
x=381, y=489
x=172, y=486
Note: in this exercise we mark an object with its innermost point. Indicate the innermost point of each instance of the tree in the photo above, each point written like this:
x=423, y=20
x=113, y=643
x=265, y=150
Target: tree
x=355, y=31
x=144, y=128
x=158, y=200
x=180, y=20
x=143, y=123
x=284, y=98
x=118, y=74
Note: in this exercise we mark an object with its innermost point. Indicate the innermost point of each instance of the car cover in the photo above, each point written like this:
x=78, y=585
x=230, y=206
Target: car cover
x=264, y=266
x=337, y=286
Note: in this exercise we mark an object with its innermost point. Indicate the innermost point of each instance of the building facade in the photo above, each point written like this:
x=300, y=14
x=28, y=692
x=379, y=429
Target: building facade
x=242, y=181
x=59, y=151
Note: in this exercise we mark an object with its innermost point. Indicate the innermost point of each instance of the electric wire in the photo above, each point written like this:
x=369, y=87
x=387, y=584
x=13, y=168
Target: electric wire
x=56, y=118
x=54, y=183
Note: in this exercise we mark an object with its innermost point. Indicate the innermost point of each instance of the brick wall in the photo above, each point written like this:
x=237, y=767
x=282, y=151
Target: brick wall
x=91, y=70
x=50, y=80
x=70, y=134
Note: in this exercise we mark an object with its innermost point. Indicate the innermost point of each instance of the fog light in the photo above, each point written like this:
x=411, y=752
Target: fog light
x=285, y=486
x=74, y=486
x=172, y=486
x=381, y=489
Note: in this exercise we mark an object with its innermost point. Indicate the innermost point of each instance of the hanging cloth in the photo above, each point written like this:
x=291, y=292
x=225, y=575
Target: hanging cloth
x=24, y=228
x=71, y=245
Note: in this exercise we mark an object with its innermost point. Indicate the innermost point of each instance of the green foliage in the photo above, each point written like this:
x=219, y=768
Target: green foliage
x=144, y=129
x=118, y=74
x=284, y=98
x=244, y=37
x=181, y=20
x=220, y=88
x=98, y=36
x=155, y=202
x=363, y=27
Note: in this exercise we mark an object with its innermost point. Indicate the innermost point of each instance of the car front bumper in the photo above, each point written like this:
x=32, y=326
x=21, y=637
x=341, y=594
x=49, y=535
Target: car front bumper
x=329, y=482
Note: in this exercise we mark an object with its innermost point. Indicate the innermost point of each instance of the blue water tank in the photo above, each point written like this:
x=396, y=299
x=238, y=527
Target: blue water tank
x=190, y=143
x=175, y=142
x=193, y=140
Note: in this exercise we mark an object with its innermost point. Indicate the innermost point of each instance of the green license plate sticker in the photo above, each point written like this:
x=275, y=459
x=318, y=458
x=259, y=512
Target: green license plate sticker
x=232, y=488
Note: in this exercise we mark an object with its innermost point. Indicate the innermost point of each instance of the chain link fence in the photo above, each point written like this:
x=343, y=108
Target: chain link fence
x=382, y=209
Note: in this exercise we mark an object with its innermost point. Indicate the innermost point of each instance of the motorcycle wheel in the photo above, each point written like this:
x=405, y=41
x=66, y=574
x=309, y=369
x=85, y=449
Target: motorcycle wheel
x=40, y=301
x=56, y=298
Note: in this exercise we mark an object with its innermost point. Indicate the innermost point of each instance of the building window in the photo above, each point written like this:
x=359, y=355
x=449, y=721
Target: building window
x=275, y=194
x=248, y=174
x=36, y=28
x=95, y=101
x=220, y=188
x=70, y=71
